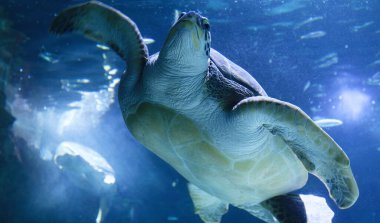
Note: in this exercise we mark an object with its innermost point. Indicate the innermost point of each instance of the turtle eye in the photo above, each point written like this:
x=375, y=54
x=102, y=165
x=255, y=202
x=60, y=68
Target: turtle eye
x=205, y=24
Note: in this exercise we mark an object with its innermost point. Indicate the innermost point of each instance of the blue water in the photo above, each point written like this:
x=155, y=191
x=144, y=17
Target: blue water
x=323, y=56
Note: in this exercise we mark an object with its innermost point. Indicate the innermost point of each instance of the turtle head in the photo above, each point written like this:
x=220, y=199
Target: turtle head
x=188, y=43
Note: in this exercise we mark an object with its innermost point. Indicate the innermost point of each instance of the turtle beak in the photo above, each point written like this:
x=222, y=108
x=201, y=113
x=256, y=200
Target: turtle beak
x=202, y=29
x=189, y=39
x=194, y=17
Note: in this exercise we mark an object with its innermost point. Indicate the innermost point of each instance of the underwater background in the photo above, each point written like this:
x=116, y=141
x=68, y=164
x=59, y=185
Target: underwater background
x=321, y=55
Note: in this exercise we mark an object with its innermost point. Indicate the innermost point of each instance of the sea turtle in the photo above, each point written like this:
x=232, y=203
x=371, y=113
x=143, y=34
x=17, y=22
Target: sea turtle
x=89, y=171
x=213, y=122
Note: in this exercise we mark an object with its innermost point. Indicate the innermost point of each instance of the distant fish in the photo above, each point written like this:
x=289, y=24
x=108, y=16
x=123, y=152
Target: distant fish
x=320, y=95
x=328, y=122
x=327, y=60
x=315, y=109
x=327, y=57
x=102, y=47
x=49, y=57
x=375, y=79
x=283, y=24
x=172, y=218
x=256, y=27
x=375, y=63
x=148, y=41
x=286, y=7
x=328, y=63
x=83, y=81
x=360, y=27
x=313, y=35
x=308, y=21
x=219, y=20
x=307, y=85
x=217, y=5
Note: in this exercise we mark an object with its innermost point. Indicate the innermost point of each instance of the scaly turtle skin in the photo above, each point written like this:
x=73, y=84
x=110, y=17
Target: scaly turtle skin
x=211, y=121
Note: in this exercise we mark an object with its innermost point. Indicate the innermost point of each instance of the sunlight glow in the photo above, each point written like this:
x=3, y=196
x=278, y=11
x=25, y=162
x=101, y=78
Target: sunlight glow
x=353, y=103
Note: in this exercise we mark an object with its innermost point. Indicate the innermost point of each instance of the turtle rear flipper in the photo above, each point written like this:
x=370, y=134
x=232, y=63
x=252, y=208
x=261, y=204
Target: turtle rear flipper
x=292, y=208
x=106, y=25
x=318, y=152
x=209, y=208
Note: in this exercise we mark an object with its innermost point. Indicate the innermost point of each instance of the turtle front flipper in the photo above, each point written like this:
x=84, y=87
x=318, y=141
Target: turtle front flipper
x=292, y=208
x=106, y=25
x=209, y=208
x=318, y=152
